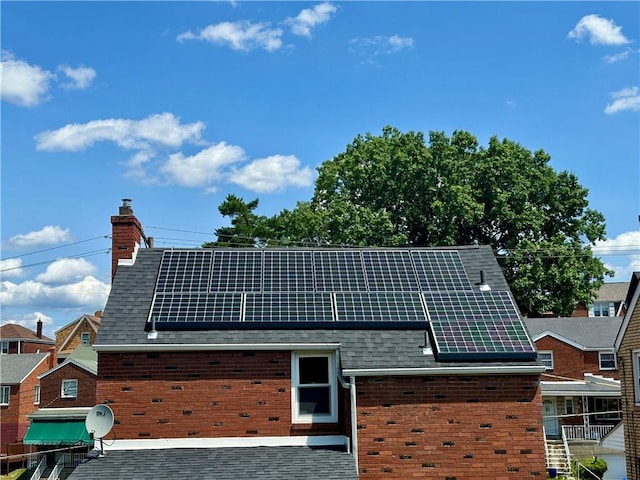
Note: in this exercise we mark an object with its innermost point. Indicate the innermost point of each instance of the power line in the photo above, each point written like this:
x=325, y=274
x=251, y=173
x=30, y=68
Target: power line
x=54, y=248
x=45, y=262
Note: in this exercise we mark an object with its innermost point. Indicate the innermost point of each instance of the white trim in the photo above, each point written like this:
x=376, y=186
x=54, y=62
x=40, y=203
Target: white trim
x=62, y=391
x=2, y=387
x=627, y=316
x=549, y=333
x=615, y=360
x=222, y=442
x=550, y=352
x=309, y=418
x=635, y=371
x=132, y=260
x=60, y=413
x=67, y=362
x=484, y=370
x=36, y=394
x=188, y=347
x=34, y=367
x=354, y=419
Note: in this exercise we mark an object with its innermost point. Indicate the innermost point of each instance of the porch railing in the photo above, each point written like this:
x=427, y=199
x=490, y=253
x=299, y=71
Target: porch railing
x=39, y=469
x=580, y=432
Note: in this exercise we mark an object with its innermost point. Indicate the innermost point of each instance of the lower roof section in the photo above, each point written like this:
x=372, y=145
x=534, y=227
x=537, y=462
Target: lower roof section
x=230, y=463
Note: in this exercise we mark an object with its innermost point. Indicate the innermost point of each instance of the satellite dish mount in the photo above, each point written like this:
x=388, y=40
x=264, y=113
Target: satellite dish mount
x=99, y=422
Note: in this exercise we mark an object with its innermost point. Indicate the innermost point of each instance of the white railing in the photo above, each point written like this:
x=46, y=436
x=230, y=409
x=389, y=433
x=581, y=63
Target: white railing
x=72, y=460
x=55, y=473
x=39, y=469
x=580, y=432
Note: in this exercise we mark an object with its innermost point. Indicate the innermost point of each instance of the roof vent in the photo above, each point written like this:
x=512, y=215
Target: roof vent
x=482, y=285
x=153, y=333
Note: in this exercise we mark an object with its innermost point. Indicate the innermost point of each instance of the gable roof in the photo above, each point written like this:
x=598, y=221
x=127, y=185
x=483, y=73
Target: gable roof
x=631, y=301
x=229, y=463
x=126, y=319
x=92, y=320
x=585, y=333
x=14, y=369
x=612, y=292
x=83, y=356
x=14, y=331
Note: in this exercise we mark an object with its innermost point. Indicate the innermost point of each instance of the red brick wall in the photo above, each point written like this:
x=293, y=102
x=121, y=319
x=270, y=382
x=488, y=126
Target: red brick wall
x=51, y=385
x=450, y=428
x=204, y=394
x=126, y=232
x=570, y=362
x=29, y=347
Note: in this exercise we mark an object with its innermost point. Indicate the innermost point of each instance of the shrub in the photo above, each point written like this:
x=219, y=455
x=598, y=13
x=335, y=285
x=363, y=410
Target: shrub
x=597, y=465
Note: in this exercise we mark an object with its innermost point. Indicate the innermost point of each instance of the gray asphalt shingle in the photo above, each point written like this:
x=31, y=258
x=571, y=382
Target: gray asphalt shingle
x=590, y=332
x=15, y=367
x=231, y=463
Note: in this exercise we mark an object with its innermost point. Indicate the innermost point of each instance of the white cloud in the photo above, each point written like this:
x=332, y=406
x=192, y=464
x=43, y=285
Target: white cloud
x=204, y=167
x=599, y=30
x=80, y=77
x=372, y=47
x=273, y=173
x=310, y=18
x=159, y=130
x=626, y=247
x=30, y=320
x=85, y=292
x=242, y=35
x=23, y=84
x=65, y=270
x=49, y=235
x=625, y=99
x=11, y=267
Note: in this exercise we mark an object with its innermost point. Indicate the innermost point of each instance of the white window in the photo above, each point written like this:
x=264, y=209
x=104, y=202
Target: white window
x=546, y=357
x=85, y=338
x=636, y=375
x=69, y=389
x=5, y=391
x=607, y=361
x=313, y=387
x=602, y=309
x=36, y=394
x=5, y=347
x=568, y=406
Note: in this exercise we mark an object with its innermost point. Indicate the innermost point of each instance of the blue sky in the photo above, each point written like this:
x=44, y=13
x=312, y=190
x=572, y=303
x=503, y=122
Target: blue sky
x=177, y=104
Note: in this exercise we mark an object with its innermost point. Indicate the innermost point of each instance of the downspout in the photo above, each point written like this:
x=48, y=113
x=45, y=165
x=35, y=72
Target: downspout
x=354, y=417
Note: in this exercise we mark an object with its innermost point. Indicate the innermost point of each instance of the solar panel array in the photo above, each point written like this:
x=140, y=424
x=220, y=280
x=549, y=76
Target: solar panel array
x=330, y=288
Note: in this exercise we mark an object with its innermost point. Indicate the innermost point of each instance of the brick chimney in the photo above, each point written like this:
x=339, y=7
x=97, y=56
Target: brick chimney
x=126, y=235
x=39, y=328
x=53, y=357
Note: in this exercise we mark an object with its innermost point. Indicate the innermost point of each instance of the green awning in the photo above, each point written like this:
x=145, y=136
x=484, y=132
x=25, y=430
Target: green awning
x=57, y=433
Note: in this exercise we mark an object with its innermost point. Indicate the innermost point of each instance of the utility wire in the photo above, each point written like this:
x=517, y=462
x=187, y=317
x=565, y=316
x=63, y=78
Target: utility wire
x=87, y=254
x=54, y=248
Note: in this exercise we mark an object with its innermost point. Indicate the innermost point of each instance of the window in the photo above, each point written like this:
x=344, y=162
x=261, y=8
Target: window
x=607, y=361
x=69, y=389
x=85, y=338
x=36, y=394
x=568, y=406
x=636, y=375
x=314, y=390
x=547, y=359
x=5, y=347
x=601, y=309
x=5, y=391
x=608, y=408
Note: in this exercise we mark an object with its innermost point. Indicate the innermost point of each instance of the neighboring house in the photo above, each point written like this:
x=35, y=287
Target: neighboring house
x=19, y=393
x=580, y=387
x=611, y=450
x=609, y=302
x=15, y=338
x=302, y=363
x=628, y=352
x=82, y=331
x=67, y=393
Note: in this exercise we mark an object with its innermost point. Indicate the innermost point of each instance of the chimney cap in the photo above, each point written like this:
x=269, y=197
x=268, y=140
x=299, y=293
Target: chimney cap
x=126, y=202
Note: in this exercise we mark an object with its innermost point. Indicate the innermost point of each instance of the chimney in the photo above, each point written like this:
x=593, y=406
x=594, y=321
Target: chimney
x=39, y=328
x=126, y=235
x=98, y=313
x=53, y=357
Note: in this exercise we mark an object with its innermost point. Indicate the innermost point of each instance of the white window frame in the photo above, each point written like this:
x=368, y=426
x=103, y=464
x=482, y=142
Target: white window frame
x=66, y=389
x=602, y=309
x=636, y=375
x=5, y=394
x=4, y=348
x=87, y=336
x=36, y=395
x=546, y=352
x=298, y=417
x=569, y=407
x=600, y=360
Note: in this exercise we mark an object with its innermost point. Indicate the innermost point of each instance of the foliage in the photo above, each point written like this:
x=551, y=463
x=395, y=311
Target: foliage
x=397, y=189
x=596, y=468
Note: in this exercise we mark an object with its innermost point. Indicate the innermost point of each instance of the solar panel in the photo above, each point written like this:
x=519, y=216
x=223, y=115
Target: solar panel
x=184, y=271
x=198, y=310
x=394, y=308
x=440, y=270
x=389, y=271
x=236, y=271
x=288, y=309
x=339, y=271
x=477, y=325
x=287, y=271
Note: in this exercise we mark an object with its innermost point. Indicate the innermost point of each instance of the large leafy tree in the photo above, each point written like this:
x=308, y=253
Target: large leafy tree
x=397, y=189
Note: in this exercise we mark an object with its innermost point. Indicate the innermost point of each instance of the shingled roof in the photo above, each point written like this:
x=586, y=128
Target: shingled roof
x=15, y=368
x=591, y=333
x=14, y=331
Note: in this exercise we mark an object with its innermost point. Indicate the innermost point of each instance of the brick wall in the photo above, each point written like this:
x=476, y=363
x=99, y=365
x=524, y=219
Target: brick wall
x=450, y=428
x=204, y=394
x=570, y=362
x=50, y=388
x=630, y=410
x=126, y=233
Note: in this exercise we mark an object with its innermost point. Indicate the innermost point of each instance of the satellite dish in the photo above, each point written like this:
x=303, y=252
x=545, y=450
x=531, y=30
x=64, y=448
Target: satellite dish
x=99, y=420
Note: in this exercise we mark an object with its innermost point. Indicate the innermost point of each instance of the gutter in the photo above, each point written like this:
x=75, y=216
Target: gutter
x=177, y=347
x=483, y=370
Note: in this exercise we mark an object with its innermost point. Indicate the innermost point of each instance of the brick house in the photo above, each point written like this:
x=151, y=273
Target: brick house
x=339, y=363
x=628, y=352
x=19, y=393
x=580, y=387
x=15, y=338
x=609, y=302
x=81, y=331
